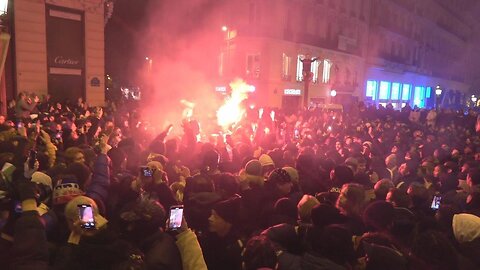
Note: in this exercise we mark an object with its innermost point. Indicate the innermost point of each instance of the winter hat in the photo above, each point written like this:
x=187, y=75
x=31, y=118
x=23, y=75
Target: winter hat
x=71, y=210
x=266, y=160
x=65, y=192
x=305, y=206
x=466, y=227
x=379, y=215
x=293, y=173
x=382, y=257
x=229, y=209
x=253, y=167
x=279, y=176
x=326, y=214
x=286, y=207
x=144, y=210
x=42, y=178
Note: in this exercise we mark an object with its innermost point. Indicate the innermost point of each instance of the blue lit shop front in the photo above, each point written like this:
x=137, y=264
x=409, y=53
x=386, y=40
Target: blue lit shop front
x=400, y=87
x=399, y=94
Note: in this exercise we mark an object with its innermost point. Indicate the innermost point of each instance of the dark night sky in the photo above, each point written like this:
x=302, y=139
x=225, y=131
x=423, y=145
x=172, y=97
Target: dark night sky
x=121, y=32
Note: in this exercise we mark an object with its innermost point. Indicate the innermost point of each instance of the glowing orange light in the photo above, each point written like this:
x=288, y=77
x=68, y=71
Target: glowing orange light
x=231, y=112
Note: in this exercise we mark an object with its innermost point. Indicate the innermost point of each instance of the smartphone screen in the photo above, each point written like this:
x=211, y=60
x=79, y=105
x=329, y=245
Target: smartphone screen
x=436, y=202
x=176, y=217
x=146, y=171
x=85, y=213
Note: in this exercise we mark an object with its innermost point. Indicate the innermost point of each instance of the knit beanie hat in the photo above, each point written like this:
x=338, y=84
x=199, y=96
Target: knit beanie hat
x=379, y=215
x=286, y=207
x=466, y=227
x=305, y=207
x=293, y=174
x=266, y=160
x=42, y=178
x=66, y=190
x=382, y=257
x=326, y=214
x=229, y=210
x=254, y=167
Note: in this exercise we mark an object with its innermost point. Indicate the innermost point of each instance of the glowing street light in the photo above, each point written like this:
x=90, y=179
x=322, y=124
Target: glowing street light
x=438, y=93
x=224, y=28
x=474, y=100
x=333, y=93
x=146, y=58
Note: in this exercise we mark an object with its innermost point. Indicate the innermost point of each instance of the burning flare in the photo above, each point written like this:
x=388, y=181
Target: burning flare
x=231, y=111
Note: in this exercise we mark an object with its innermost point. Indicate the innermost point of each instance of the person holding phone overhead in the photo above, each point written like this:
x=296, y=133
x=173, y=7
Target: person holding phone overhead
x=91, y=244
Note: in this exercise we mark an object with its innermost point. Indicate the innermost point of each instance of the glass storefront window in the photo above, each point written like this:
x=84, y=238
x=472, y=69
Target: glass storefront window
x=419, y=96
x=384, y=92
x=406, y=91
x=371, y=89
x=395, y=91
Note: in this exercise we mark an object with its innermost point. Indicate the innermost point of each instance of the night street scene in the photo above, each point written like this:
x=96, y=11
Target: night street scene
x=239, y=134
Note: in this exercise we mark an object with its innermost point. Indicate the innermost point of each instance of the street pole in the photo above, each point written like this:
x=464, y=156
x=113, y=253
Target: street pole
x=307, y=75
x=306, y=79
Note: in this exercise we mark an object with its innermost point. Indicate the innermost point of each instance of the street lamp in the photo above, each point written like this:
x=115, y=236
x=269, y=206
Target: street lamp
x=438, y=93
x=307, y=76
x=333, y=94
x=224, y=28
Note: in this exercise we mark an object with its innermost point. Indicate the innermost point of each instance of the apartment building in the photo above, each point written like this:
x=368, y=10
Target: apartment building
x=377, y=51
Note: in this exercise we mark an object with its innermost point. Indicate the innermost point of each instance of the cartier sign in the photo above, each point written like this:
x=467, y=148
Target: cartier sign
x=60, y=60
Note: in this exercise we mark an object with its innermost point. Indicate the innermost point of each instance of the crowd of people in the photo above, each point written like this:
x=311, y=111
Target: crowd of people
x=372, y=188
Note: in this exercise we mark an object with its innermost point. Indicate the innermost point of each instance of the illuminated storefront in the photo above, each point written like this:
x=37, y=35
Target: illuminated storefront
x=384, y=87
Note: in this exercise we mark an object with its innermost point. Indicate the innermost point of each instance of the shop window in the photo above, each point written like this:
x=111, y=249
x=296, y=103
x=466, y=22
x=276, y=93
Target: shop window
x=384, y=90
x=371, y=89
x=395, y=91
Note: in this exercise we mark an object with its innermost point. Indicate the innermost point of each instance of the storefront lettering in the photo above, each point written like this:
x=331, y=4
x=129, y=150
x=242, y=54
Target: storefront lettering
x=292, y=92
x=60, y=60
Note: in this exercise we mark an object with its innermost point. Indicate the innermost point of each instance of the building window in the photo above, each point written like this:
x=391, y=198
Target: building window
x=314, y=69
x=327, y=65
x=419, y=96
x=384, y=91
x=299, y=68
x=428, y=94
x=406, y=91
x=395, y=91
x=253, y=65
x=286, y=63
x=371, y=89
